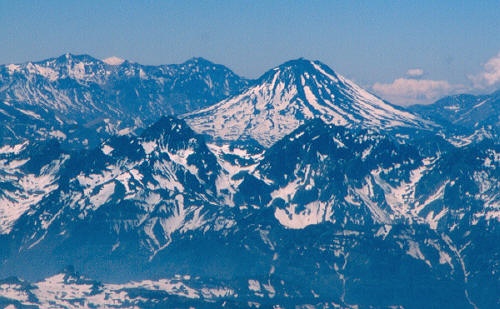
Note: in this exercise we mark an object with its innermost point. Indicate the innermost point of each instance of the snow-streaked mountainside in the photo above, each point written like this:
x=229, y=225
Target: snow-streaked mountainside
x=299, y=190
x=465, y=110
x=63, y=97
x=288, y=95
x=469, y=117
x=335, y=207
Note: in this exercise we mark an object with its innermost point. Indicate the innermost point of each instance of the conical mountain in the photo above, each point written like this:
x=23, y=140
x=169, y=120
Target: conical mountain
x=288, y=95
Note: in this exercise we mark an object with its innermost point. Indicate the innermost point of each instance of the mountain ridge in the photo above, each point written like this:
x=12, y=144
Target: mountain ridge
x=156, y=200
x=67, y=95
x=464, y=110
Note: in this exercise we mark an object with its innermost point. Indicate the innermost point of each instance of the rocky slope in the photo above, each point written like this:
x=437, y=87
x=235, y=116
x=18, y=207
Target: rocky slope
x=81, y=100
x=376, y=211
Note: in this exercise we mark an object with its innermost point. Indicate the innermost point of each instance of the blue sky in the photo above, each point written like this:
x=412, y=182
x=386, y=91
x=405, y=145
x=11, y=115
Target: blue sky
x=405, y=51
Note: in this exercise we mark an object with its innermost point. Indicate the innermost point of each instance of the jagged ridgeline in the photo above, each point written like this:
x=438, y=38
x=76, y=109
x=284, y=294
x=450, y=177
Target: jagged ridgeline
x=296, y=189
x=82, y=100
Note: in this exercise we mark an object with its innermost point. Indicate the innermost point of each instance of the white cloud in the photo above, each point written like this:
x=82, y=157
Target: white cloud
x=415, y=72
x=414, y=90
x=407, y=91
x=490, y=75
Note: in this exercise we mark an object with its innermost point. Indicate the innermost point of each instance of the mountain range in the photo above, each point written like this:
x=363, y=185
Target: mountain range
x=187, y=185
x=73, y=97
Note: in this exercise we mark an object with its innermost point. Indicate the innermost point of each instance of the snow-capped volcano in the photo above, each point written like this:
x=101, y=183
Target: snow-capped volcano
x=286, y=96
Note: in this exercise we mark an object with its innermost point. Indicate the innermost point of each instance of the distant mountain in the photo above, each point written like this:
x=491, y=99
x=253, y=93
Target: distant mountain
x=69, y=289
x=288, y=95
x=75, y=96
x=465, y=113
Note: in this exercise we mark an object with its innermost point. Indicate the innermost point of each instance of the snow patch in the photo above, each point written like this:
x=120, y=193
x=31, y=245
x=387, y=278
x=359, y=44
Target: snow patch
x=15, y=149
x=106, y=149
x=58, y=134
x=414, y=251
x=113, y=60
x=148, y=147
x=30, y=113
x=13, y=68
x=104, y=194
x=254, y=285
x=314, y=213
